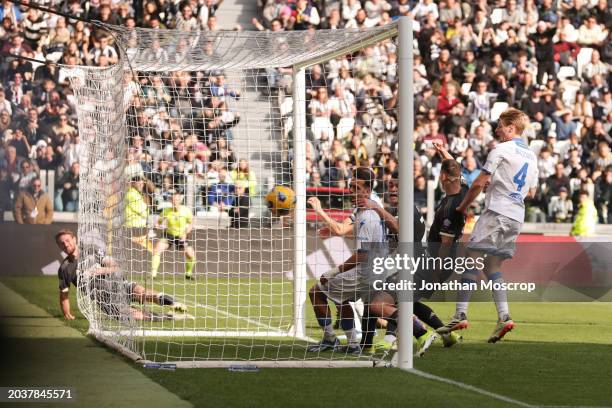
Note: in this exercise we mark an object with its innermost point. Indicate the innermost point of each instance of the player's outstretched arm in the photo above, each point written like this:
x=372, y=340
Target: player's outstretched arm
x=335, y=228
x=478, y=185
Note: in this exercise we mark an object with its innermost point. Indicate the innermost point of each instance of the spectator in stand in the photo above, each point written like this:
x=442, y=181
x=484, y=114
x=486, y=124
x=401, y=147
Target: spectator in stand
x=591, y=34
x=47, y=159
x=557, y=181
x=560, y=208
x=603, y=196
x=338, y=174
x=595, y=67
x=220, y=196
x=565, y=125
x=28, y=173
x=448, y=101
x=306, y=15
x=67, y=190
x=6, y=193
x=240, y=209
x=420, y=194
x=5, y=106
x=469, y=170
x=20, y=143
x=358, y=153
x=480, y=102
x=546, y=164
x=33, y=205
x=245, y=177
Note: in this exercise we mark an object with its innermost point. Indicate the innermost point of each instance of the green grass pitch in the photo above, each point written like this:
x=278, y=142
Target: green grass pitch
x=560, y=354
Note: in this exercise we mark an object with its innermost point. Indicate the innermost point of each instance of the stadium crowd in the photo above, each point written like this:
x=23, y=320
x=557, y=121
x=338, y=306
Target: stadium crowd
x=473, y=59
x=38, y=108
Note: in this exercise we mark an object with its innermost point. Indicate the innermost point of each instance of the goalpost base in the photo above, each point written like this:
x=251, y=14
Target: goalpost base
x=100, y=336
x=277, y=364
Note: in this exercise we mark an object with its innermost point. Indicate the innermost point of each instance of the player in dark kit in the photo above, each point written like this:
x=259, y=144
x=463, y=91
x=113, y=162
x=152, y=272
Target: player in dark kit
x=107, y=291
x=446, y=229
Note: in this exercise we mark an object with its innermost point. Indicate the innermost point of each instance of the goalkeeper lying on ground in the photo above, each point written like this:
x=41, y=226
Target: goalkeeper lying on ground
x=112, y=295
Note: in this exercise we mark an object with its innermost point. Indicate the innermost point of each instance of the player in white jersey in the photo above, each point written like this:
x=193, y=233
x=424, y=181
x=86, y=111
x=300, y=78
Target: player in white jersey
x=347, y=282
x=510, y=175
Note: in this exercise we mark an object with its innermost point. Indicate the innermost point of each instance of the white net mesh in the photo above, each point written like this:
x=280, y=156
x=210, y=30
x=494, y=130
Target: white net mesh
x=210, y=116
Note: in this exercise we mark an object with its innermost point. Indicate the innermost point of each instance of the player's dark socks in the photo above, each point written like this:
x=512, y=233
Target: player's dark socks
x=427, y=315
x=337, y=322
x=165, y=300
x=368, y=327
x=392, y=324
x=418, y=329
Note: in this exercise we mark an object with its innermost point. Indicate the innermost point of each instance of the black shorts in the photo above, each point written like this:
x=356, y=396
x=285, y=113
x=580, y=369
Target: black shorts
x=113, y=296
x=175, y=241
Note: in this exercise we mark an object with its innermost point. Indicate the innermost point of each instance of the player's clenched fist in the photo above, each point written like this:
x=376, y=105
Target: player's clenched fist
x=315, y=203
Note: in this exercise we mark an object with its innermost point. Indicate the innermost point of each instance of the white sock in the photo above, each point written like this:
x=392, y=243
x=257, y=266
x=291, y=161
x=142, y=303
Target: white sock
x=500, y=296
x=463, y=296
x=351, y=337
x=462, y=307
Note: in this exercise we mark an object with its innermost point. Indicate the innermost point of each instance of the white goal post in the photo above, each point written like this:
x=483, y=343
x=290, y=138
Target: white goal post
x=208, y=115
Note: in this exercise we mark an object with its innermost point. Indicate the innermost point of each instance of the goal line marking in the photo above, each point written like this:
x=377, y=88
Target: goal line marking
x=470, y=388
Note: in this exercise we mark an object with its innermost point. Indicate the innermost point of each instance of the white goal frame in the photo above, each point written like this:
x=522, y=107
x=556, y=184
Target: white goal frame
x=402, y=30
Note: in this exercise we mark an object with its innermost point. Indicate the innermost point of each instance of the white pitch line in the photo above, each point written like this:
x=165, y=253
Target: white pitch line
x=471, y=388
x=255, y=322
x=573, y=406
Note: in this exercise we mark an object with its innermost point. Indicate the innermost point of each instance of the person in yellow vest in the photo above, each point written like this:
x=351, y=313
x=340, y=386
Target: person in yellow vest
x=137, y=213
x=586, y=218
x=243, y=176
x=178, y=221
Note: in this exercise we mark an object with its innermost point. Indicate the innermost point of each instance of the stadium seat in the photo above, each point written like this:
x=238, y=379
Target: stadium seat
x=286, y=106
x=568, y=97
x=345, y=126
x=537, y=145
x=566, y=72
x=496, y=16
x=583, y=58
x=320, y=125
x=497, y=109
x=561, y=147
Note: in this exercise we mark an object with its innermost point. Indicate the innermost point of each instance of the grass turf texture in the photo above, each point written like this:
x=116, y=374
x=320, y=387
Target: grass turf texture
x=558, y=355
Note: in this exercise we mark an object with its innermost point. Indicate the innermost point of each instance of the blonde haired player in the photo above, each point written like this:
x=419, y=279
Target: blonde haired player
x=510, y=175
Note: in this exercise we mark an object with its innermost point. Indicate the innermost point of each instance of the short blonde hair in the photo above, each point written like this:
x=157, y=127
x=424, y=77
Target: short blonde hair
x=515, y=117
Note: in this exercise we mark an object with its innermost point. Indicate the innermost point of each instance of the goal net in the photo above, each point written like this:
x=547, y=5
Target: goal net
x=182, y=260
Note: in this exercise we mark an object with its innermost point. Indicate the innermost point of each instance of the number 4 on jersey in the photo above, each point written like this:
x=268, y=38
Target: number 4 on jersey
x=520, y=176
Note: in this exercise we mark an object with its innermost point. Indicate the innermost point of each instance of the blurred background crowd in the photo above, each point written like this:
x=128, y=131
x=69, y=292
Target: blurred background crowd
x=550, y=58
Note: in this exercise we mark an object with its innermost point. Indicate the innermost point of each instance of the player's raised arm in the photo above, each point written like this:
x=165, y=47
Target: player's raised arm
x=478, y=185
x=441, y=150
x=335, y=228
